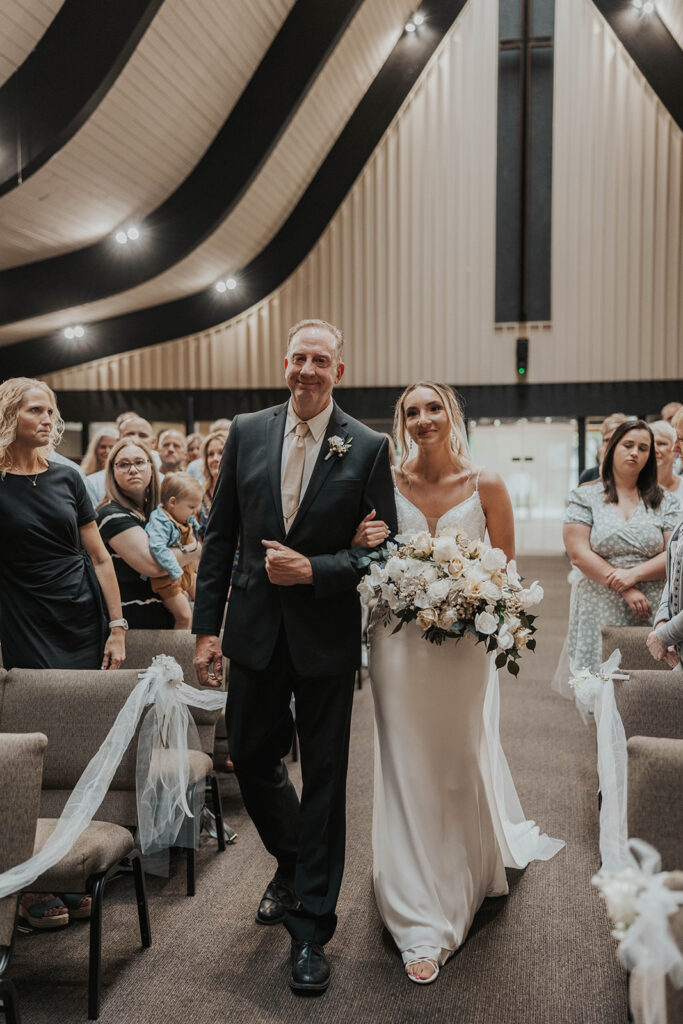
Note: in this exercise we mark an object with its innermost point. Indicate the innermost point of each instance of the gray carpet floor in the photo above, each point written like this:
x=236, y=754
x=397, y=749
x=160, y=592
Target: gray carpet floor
x=543, y=954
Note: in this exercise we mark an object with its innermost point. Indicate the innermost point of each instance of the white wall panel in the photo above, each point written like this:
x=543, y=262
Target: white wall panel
x=406, y=266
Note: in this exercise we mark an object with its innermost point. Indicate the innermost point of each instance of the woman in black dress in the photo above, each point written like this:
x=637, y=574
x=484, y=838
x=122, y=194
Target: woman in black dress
x=54, y=568
x=131, y=494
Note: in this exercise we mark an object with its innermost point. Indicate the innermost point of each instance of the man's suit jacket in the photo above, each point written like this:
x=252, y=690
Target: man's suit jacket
x=322, y=622
x=671, y=605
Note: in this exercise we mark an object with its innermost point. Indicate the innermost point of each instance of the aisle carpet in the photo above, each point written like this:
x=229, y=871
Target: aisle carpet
x=543, y=954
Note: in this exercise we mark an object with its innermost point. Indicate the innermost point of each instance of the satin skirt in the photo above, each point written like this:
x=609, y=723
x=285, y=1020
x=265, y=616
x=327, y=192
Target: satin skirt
x=446, y=818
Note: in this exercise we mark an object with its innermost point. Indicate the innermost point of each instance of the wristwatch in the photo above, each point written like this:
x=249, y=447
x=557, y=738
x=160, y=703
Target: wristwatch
x=118, y=622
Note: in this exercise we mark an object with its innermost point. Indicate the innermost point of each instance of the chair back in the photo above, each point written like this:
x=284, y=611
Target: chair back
x=21, y=769
x=143, y=644
x=631, y=642
x=75, y=709
x=650, y=703
x=655, y=784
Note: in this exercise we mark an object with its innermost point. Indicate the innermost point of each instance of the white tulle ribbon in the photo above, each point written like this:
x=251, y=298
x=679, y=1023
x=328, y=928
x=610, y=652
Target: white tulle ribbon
x=639, y=903
x=162, y=685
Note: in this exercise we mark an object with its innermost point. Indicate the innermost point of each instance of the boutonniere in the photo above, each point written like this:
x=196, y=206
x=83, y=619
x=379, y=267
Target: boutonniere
x=338, y=446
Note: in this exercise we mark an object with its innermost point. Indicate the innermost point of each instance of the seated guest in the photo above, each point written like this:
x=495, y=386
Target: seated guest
x=131, y=494
x=607, y=428
x=95, y=459
x=212, y=451
x=196, y=467
x=665, y=642
x=172, y=451
x=172, y=527
x=665, y=453
x=615, y=533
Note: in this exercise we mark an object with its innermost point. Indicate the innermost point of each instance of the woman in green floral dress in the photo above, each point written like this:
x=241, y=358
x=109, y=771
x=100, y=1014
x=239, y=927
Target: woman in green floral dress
x=616, y=531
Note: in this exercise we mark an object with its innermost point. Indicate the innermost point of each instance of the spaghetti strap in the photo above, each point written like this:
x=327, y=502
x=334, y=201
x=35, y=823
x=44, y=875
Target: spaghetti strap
x=476, y=482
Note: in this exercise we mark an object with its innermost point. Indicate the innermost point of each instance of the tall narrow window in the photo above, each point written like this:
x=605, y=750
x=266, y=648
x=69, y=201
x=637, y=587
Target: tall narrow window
x=524, y=172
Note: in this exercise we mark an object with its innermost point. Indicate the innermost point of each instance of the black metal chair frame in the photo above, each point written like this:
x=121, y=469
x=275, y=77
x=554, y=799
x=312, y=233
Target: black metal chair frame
x=8, y=993
x=191, y=853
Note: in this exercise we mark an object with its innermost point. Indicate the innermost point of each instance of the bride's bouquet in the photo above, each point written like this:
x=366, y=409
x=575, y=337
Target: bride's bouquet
x=451, y=585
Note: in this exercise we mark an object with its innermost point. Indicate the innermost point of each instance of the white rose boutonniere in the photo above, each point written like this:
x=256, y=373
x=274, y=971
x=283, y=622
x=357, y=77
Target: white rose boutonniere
x=338, y=446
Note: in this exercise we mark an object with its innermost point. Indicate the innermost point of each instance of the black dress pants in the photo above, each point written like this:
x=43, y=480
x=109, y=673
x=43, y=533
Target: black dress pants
x=308, y=839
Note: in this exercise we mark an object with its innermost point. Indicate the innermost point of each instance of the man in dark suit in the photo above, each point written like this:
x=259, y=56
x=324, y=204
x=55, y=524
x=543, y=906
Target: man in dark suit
x=295, y=482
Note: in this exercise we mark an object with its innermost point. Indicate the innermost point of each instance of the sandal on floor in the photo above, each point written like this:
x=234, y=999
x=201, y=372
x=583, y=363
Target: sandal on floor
x=78, y=905
x=423, y=960
x=35, y=913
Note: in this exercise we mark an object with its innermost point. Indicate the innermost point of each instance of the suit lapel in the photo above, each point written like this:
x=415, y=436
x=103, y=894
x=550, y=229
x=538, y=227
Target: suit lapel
x=275, y=432
x=323, y=466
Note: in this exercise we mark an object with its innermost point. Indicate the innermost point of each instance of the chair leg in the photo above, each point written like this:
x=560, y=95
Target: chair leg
x=295, y=744
x=217, y=811
x=359, y=678
x=10, y=1003
x=95, y=963
x=141, y=896
x=191, y=871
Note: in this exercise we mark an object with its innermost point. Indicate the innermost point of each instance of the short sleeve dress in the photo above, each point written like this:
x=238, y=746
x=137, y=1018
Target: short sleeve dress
x=52, y=613
x=622, y=543
x=142, y=608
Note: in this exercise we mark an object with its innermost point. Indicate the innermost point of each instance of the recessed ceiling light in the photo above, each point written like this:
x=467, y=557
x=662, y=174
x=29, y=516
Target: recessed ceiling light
x=121, y=237
x=648, y=7
x=79, y=332
x=230, y=283
x=68, y=332
x=410, y=27
x=220, y=286
x=133, y=233
x=74, y=332
x=418, y=19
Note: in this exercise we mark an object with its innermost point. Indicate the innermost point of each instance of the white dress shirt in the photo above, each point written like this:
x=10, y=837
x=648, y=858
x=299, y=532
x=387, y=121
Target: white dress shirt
x=313, y=440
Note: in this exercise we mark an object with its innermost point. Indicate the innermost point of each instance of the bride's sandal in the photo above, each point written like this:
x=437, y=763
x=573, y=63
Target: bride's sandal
x=423, y=960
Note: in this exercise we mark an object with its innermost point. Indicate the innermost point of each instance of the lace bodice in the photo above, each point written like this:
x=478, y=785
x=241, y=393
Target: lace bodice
x=467, y=514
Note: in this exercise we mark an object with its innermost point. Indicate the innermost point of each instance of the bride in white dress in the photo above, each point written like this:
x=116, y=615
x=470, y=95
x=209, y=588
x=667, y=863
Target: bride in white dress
x=447, y=819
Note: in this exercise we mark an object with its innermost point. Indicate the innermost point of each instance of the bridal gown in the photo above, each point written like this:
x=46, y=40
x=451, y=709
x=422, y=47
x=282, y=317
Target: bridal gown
x=447, y=820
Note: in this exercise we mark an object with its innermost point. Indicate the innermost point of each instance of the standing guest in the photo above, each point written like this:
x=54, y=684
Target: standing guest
x=212, y=450
x=131, y=493
x=665, y=453
x=194, y=446
x=615, y=533
x=141, y=430
x=123, y=416
x=669, y=411
x=54, y=569
x=54, y=572
x=607, y=428
x=172, y=527
x=95, y=459
x=196, y=467
x=172, y=448
x=665, y=642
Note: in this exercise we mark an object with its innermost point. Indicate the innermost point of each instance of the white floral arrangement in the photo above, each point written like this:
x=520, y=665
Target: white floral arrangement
x=451, y=585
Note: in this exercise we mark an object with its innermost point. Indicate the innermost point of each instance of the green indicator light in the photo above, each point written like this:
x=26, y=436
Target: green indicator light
x=521, y=370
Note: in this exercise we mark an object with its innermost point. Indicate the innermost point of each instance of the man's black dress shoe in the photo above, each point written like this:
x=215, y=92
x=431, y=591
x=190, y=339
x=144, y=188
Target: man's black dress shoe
x=278, y=897
x=310, y=969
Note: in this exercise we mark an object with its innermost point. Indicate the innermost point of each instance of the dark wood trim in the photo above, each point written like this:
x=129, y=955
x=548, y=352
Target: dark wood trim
x=63, y=80
x=212, y=189
x=505, y=401
x=655, y=51
x=285, y=251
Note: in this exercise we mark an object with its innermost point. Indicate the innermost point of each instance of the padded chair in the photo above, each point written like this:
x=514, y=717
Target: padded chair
x=21, y=770
x=650, y=703
x=674, y=997
x=631, y=642
x=655, y=784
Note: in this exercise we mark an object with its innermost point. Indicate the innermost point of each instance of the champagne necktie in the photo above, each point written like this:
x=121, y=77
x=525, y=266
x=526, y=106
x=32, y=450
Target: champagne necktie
x=293, y=474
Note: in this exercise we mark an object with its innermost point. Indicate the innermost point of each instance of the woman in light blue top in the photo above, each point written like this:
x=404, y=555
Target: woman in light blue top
x=616, y=531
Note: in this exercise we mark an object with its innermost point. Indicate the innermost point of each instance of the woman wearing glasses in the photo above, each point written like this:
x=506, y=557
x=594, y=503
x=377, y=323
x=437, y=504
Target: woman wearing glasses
x=131, y=494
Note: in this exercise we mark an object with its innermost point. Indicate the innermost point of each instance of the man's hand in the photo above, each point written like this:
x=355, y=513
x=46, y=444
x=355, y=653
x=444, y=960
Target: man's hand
x=286, y=567
x=656, y=647
x=671, y=657
x=208, y=661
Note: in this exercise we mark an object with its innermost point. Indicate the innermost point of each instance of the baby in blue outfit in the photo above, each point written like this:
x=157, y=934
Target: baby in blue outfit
x=171, y=525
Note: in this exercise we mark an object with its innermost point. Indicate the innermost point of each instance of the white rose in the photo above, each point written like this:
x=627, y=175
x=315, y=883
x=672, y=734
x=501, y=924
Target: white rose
x=513, y=576
x=485, y=623
x=505, y=639
x=426, y=618
x=428, y=572
x=421, y=600
x=422, y=545
x=456, y=565
x=395, y=568
x=532, y=595
x=490, y=591
x=513, y=623
x=476, y=548
x=493, y=560
x=444, y=549
x=438, y=591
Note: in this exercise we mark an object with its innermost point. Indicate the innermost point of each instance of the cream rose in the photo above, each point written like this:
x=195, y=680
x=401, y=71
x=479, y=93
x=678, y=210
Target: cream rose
x=426, y=618
x=493, y=560
x=422, y=545
x=456, y=565
x=438, y=591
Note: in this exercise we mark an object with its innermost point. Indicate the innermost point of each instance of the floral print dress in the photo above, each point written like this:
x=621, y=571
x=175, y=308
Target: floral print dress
x=623, y=543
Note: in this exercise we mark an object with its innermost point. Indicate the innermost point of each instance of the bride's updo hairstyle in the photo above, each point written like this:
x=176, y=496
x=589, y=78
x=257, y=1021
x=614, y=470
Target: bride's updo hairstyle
x=451, y=403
